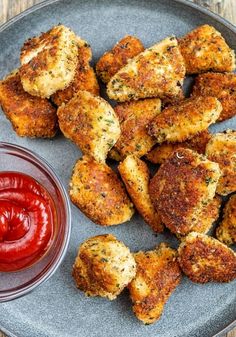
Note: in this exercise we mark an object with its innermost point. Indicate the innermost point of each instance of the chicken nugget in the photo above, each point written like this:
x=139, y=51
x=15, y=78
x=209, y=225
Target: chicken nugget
x=226, y=232
x=85, y=78
x=48, y=61
x=221, y=86
x=113, y=60
x=185, y=183
x=103, y=267
x=30, y=116
x=205, y=259
x=161, y=152
x=135, y=175
x=134, y=117
x=99, y=194
x=157, y=72
x=209, y=214
x=222, y=150
x=204, y=49
x=185, y=120
x=158, y=274
x=91, y=123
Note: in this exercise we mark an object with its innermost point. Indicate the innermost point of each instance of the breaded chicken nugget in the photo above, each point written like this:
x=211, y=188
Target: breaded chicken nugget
x=204, y=49
x=103, y=267
x=183, y=185
x=226, y=232
x=98, y=193
x=85, y=78
x=158, y=274
x=134, y=117
x=222, y=150
x=49, y=61
x=185, y=120
x=161, y=152
x=157, y=72
x=84, y=51
x=221, y=86
x=208, y=215
x=30, y=116
x=91, y=123
x=135, y=174
x=204, y=259
x=117, y=57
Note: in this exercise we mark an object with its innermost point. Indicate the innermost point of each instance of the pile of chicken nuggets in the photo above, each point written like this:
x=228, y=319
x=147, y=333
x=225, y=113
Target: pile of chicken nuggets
x=55, y=88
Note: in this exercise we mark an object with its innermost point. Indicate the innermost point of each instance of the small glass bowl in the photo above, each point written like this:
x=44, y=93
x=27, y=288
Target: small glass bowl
x=19, y=283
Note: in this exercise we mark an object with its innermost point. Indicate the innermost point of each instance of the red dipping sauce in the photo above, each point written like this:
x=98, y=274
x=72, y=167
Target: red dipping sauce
x=27, y=215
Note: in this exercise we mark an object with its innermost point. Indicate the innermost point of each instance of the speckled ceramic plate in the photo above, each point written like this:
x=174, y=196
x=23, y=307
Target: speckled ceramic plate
x=57, y=308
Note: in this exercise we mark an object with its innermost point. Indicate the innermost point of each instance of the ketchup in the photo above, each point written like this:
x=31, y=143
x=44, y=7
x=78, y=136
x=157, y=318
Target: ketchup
x=27, y=215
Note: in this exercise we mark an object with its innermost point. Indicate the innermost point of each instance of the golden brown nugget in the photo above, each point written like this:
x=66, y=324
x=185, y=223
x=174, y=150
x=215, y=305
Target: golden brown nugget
x=183, y=185
x=103, y=267
x=204, y=49
x=209, y=214
x=158, y=274
x=204, y=259
x=185, y=120
x=161, y=152
x=134, y=117
x=99, y=194
x=91, y=123
x=157, y=72
x=222, y=150
x=221, y=86
x=113, y=60
x=135, y=175
x=226, y=232
x=85, y=78
x=48, y=61
x=30, y=116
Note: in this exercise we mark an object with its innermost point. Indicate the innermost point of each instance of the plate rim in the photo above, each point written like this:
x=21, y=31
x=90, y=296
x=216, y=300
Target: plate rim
x=187, y=3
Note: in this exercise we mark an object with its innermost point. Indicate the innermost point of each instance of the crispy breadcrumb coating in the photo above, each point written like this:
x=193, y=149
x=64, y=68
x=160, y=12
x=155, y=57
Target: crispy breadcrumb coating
x=158, y=274
x=134, y=117
x=226, y=232
x=116, y=58
x=180, y=122
x=221, y=86
x=222, y=150
x=204, y=49
x=135, y=175
x=91, y=123
x=103, y=267
x=161, y=152
x=30, y=116
x=99, y=193
x=85, y=78
x=48, y=61
x=205, y=259
x=207, y=217
x=210, y=213
x=157, y=72
x=183, y=185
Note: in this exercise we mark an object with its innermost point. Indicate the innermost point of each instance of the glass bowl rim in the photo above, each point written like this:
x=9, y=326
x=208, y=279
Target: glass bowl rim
x=9, y=295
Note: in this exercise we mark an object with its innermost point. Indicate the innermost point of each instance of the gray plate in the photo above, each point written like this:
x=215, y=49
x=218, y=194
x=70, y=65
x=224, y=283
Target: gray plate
x=56, y=308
